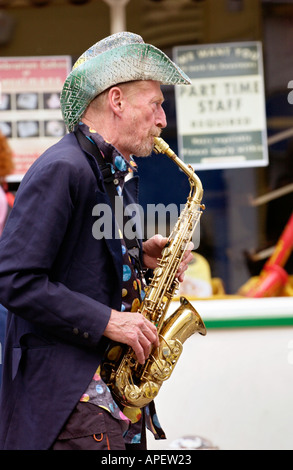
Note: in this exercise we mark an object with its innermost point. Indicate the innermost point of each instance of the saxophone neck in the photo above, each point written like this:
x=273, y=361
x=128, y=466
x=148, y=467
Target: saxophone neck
x=160, y=146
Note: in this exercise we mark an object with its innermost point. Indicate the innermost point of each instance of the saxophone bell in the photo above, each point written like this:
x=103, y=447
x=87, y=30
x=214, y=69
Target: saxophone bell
x=183, y=323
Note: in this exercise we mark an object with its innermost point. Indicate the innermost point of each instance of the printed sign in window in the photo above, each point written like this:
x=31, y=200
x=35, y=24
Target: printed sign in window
x=30, y=115
x=221, y=117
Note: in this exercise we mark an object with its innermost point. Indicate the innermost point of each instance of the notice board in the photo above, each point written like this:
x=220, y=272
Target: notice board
x=30, y=115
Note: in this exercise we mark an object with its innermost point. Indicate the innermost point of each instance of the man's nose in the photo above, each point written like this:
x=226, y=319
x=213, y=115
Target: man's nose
x=161, y=120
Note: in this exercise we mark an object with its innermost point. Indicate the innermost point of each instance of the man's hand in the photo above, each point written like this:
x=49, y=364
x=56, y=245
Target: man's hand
x=135, y=330
x=152, y=250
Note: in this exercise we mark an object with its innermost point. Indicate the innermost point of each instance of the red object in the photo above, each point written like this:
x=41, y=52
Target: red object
x=273, y=277
x=270, y=282
x=283, y=247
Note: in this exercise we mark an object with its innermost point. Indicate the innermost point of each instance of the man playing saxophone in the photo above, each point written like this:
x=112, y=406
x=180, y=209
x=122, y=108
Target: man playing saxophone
x=67, y=292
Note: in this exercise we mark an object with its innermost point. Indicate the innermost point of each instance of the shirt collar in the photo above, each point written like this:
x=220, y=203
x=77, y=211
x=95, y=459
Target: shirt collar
x=120, y=166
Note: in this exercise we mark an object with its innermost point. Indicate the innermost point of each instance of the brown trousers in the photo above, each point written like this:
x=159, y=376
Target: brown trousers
x=92, y=428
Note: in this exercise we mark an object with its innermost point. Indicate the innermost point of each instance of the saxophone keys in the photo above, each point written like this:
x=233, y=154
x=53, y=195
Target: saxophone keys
x=166, y=252
x=158, y=272
x=172, y=350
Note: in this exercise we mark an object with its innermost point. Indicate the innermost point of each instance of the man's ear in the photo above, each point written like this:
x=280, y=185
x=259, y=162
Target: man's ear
x=116, y=99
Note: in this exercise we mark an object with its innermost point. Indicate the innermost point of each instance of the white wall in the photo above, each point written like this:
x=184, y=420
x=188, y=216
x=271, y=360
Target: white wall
x=233, y=387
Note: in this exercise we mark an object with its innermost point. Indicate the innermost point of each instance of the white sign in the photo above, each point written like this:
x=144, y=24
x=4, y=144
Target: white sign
x=221, y=117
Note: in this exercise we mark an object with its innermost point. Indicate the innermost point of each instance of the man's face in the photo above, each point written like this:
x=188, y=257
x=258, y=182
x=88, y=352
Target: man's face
x=144, y=116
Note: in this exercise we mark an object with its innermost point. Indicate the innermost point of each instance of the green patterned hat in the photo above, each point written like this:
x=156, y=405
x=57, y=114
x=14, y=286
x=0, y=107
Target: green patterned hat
x=122, y=57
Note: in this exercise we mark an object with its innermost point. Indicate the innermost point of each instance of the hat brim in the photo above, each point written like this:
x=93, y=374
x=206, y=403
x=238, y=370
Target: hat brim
x=122, y=64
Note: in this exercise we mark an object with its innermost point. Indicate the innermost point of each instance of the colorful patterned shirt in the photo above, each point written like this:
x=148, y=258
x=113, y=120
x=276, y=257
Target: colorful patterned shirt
x=132, y=295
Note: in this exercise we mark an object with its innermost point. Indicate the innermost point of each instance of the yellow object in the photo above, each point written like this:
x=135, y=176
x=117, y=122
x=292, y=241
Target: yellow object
x=197, y=280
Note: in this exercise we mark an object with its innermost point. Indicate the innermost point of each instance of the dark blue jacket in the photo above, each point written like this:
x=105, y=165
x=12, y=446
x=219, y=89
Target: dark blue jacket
x=3, y=315
x=59, y=284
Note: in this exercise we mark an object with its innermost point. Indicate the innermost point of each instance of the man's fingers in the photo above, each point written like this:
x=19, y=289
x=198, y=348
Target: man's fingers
x=150, y=331
x=147, y=337
x=142, y=348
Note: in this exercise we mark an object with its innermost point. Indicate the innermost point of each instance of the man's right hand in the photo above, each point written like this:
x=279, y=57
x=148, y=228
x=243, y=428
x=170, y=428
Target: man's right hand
x=135, y=330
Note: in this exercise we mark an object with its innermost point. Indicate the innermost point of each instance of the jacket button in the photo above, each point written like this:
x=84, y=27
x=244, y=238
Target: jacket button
x=85, y=335
x=75, y=331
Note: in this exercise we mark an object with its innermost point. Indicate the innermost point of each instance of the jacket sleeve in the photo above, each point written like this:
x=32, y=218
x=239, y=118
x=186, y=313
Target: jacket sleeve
x=29, y=246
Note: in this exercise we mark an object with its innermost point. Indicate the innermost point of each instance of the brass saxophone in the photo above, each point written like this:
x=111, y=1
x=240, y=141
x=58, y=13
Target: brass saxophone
x=136, y=385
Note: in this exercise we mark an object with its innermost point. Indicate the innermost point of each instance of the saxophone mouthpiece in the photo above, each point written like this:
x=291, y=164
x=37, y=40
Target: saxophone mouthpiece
x=160, y=146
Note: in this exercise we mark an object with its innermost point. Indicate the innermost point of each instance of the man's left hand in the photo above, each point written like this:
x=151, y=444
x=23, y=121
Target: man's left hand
x=152, y=250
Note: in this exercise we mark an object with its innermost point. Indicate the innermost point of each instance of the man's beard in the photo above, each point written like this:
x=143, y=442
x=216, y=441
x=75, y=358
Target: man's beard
x=144, y=148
